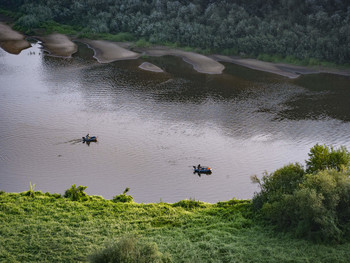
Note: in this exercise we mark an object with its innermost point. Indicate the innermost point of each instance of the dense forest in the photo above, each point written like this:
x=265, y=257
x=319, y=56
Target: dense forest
x=307, y=30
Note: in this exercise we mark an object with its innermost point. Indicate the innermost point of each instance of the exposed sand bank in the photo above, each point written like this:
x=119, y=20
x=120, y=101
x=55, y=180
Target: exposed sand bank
x=150, y=67
x=58, y=45
x=199, y=62
x=106, y=51
x=286, y=70
x=12, y=41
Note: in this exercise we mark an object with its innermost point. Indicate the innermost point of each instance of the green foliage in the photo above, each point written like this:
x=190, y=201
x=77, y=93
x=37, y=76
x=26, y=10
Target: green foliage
x=76, y=193
x=123, y=198
x=129, y=249
x=47, y=229
x=312, y=211
x=314, y=205
x=282, y=181
x=142, y=43
x=189, y=204
x=30, y=192
x=323, y=157
x=304, y=31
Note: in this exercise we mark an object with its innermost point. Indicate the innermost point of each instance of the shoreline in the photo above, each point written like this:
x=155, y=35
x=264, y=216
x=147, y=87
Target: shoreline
x=60, y=45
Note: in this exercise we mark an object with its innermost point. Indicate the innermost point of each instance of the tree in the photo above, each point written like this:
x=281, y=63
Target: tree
x=323, y=157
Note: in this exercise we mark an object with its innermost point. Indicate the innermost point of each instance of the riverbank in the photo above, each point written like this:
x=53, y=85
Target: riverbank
x=108, y=51
x=48, y=228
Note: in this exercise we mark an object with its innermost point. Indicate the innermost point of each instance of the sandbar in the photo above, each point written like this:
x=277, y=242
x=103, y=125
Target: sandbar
x=150, y=67
x=106, y=51
x=12, y=41
x=282, y=69
x=58, y=45
x=200, y=63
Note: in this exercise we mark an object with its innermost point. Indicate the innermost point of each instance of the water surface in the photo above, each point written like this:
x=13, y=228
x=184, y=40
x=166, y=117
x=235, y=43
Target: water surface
x=152, y=127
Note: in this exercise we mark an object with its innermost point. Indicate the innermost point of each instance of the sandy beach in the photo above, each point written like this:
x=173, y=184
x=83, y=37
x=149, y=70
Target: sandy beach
x=150, y=67
x=106, y=51
x=12, y=41
x=200, y=63
x=58, y=45
x=282, y=69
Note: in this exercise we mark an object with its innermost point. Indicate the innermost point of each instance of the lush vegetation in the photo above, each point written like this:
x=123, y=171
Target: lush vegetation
x=312, y=203
x=49, y=228
x=304, y=30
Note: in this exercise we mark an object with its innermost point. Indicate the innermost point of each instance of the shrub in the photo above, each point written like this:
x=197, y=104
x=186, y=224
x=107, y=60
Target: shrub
x=130, y=250
x=322, y=157
x=123, y=198
x=319, y=209
x=76, y=193
x=30, y=192
x=189, y=204
x=282, y=181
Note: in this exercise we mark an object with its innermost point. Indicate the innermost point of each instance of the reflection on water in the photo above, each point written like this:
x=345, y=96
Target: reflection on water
x=152, y=127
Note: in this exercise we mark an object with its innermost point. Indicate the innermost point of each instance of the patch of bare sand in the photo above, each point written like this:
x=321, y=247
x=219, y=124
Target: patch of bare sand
x=12, y=41
x=286, y=70
x=150, y=67
x=200, y=63
x=106, y=51
x=59, y=45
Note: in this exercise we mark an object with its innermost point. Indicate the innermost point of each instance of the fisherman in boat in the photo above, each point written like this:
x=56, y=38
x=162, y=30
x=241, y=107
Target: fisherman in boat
x=87, y=136
x=199, y=166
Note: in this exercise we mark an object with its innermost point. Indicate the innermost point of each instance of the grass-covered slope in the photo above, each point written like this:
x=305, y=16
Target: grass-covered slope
x=48, y=228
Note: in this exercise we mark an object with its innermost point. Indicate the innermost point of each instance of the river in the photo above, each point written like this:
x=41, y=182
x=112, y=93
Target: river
x=153, y=127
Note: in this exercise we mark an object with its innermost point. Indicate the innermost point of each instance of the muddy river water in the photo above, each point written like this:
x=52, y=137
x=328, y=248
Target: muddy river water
x=153, y=127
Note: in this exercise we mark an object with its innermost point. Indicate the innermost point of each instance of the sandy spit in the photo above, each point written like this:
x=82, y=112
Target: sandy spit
x=106, y=52
x=200, y=63
x=12, y=41
x=58, y=45
x=286, y=70
x=150, y=67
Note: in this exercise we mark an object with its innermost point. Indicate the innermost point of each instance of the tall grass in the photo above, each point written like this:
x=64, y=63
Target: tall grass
x=49, y=228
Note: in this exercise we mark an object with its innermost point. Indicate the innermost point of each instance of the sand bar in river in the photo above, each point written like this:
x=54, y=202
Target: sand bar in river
x=12, y=41
x=150, y=67
x=58, y=45
x=199, y=62
x=106, y=52
x=286, y=70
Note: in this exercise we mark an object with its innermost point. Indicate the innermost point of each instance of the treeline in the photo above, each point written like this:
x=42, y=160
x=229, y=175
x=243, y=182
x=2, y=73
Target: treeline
x=302, y=29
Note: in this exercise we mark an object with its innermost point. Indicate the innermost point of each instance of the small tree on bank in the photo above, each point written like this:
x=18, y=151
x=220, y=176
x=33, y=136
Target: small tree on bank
x=314, y=203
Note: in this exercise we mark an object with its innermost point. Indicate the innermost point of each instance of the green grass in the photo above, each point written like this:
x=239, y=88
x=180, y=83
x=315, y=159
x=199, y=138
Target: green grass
x=45, y=228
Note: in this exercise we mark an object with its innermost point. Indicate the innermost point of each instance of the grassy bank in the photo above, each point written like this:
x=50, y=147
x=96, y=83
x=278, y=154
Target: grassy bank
x=48, y=228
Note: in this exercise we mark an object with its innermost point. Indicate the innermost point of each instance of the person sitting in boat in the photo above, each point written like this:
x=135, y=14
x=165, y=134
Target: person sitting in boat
x=199, y=166
x=87, y=136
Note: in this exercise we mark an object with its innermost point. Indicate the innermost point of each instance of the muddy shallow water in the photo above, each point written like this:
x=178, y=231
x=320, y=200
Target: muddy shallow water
x=152, y=127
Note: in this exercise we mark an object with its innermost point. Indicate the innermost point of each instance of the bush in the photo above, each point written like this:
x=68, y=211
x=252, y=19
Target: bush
x=130, y=250
x=282, y=181
x=314, y=205
x=322, y=157
x=189, y=204
x=123, y=198
x=76, y=193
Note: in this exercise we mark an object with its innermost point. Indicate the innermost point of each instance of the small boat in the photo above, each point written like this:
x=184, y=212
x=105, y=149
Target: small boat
x=202, y=169
x=88, y=138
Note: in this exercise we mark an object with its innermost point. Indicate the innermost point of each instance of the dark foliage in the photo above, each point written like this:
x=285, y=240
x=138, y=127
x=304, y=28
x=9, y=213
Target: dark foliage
x=302, y=29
